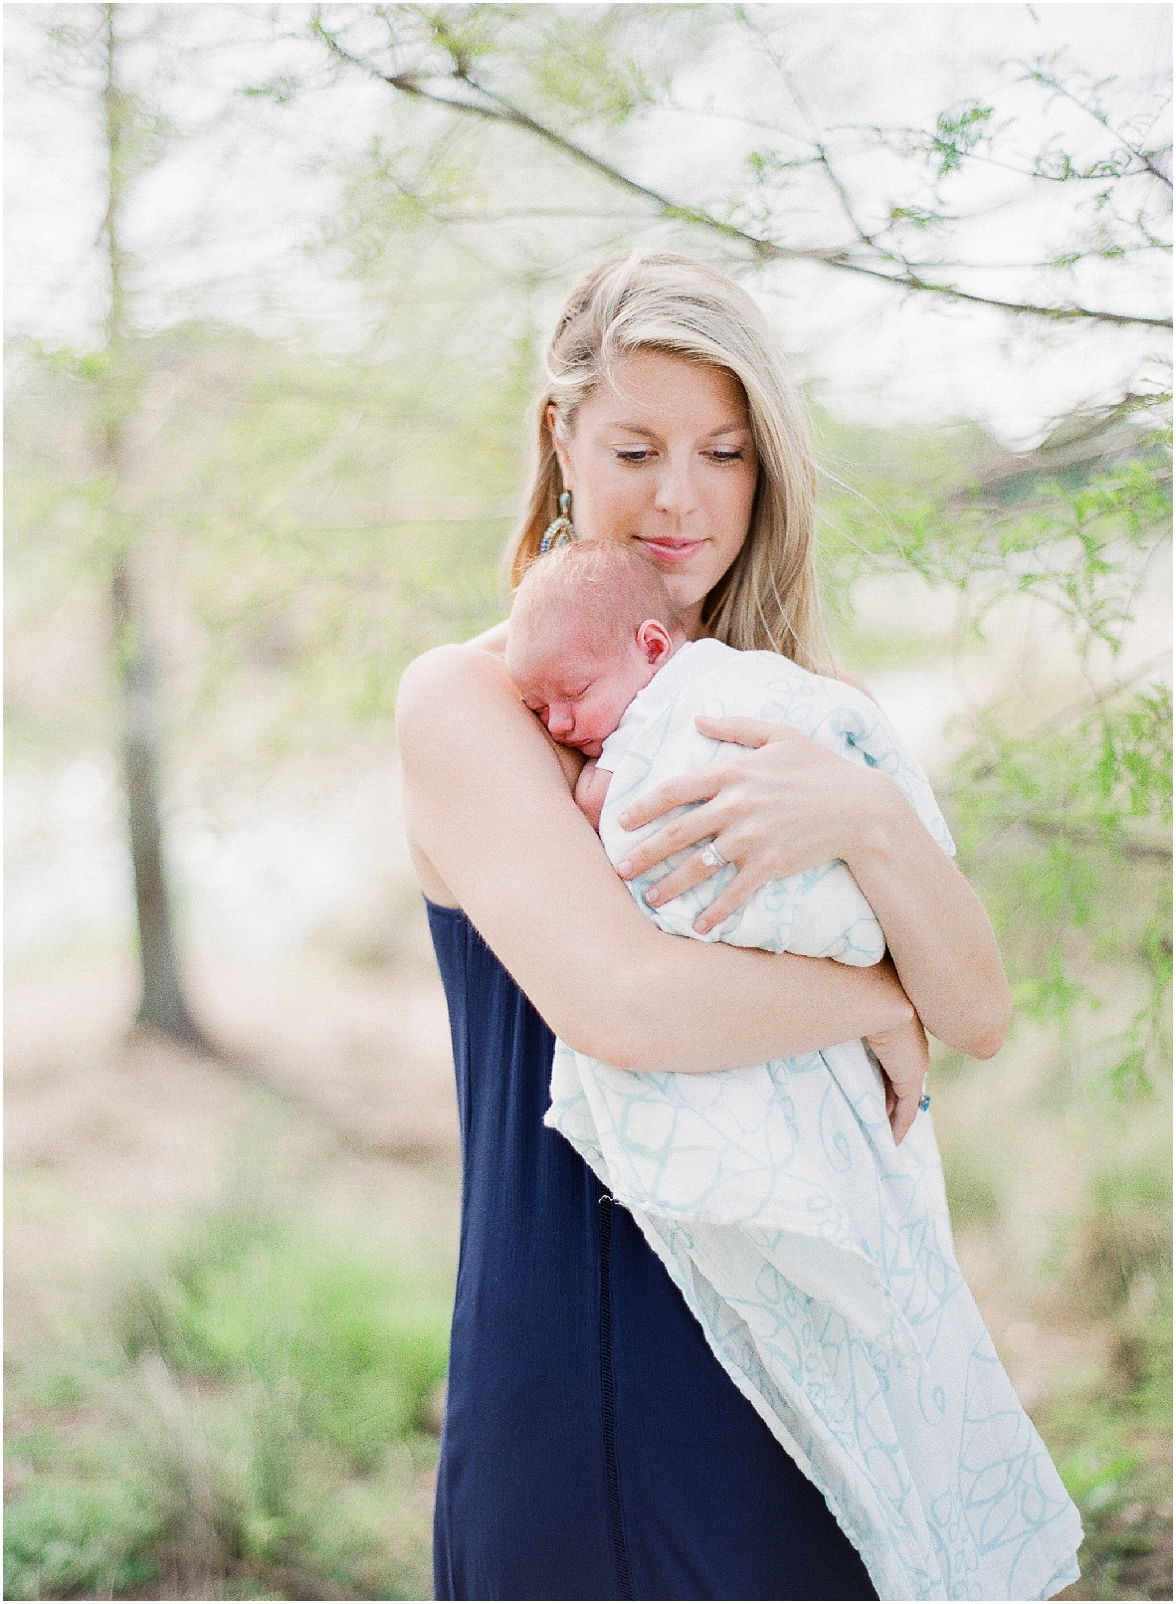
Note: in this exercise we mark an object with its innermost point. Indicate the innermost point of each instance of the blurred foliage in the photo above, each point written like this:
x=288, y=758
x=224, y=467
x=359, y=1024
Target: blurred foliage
x=69, y=1537
x=1064, y=1226
x=357, y=1353
x=1069, y=833
x=1110, y=1428
x=307, y=525
x=972, y=1193
x=891, y=203
x=255, y=1423
x=1069, y=533
x=1064, y=824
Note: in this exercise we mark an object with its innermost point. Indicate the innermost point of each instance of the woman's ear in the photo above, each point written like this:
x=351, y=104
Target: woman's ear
x=551, y=418
x=654, y=643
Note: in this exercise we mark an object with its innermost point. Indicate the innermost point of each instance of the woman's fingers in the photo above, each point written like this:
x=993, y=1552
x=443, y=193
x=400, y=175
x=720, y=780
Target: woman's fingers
x=700, y=785
x=729, y=899
x=776, y=802
x=685, y=831
x=903, y=1055
x=743, y=731
x=692, y=873
x=684, y=878
x=902, y=1115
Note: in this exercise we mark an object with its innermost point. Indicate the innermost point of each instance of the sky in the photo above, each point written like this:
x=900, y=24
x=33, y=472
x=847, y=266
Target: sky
x=869, y=353
x=232, y=221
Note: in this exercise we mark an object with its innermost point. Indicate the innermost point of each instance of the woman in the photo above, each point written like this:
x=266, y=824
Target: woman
x=593, y=1446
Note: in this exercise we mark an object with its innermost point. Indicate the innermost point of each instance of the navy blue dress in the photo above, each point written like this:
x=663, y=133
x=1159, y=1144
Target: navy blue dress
x=593, y=1447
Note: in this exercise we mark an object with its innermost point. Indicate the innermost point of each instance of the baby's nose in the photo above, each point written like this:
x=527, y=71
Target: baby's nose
x=560, y=721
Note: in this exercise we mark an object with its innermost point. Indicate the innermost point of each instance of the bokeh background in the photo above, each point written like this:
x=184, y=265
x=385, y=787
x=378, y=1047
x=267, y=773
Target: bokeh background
x=278, y=282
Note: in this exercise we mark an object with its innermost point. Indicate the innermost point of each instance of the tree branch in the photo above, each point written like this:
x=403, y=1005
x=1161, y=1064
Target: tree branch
x=1125, y=847
x=501, y=111
x=918, y=138
x=493, y=107
x=1038, y=75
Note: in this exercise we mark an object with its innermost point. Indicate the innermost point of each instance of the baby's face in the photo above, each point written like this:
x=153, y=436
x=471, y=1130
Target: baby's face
x=578, y=688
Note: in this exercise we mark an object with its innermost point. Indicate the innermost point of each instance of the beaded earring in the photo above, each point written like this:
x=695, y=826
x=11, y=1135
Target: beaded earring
x=560, y=531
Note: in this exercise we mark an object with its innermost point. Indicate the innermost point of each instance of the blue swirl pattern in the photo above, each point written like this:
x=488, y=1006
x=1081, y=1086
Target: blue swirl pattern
x=816, y=1256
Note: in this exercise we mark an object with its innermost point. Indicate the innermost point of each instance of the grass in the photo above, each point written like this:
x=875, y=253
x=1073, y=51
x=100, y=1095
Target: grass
x=252, y=1418
x=1111, y=1427
x=78, y=1535
x=354, y=1348
x=1063, y=1213
x=1110, y=1432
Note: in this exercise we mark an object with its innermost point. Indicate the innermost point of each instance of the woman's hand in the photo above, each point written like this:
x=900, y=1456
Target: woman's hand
x=776, y=806
x=902, y=1053
x=787, y=804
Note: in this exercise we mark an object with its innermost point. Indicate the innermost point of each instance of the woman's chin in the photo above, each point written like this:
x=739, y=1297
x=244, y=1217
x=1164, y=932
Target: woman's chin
x=687, y=595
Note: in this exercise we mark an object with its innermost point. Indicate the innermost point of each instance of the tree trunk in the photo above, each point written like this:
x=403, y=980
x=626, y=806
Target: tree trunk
x=162, y=1005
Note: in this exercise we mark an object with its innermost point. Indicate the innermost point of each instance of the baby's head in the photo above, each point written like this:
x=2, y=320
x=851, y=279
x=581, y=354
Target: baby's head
x=591, y=625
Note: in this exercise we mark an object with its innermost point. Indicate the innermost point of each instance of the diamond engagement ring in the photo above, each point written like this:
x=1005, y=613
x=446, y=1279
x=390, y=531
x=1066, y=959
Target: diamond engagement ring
x=712, y=857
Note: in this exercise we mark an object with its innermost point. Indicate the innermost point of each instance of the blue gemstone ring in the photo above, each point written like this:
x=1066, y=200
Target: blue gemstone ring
x=924, y=1102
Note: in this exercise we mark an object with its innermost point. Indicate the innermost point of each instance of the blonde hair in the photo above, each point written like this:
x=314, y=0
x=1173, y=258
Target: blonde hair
x=610, y=588
x=661, y=301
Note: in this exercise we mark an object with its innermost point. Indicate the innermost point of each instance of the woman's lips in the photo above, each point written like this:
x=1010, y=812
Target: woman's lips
x=671, y=551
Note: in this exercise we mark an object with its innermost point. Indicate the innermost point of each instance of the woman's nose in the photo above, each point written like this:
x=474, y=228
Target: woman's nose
x=675, y=488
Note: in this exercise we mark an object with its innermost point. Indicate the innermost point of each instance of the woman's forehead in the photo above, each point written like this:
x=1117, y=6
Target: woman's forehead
x=657, y=386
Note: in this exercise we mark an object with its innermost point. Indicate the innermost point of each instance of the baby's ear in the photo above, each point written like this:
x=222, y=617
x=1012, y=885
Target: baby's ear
x=654, y=643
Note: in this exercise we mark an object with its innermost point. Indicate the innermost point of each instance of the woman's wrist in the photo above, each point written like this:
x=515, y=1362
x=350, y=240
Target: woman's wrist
x=877, y=816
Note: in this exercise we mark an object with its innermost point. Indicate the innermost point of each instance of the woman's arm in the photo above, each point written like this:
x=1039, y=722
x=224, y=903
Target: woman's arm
x=785, y=804
x=491, y=819
x=937, y=931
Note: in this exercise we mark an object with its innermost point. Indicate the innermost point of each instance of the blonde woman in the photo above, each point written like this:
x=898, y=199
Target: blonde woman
x=593, y=1446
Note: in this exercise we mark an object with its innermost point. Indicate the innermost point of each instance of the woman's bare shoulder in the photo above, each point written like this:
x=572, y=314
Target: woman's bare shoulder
x=493, y=639
x=457, y=716
x=460, y=700
x=441, y=680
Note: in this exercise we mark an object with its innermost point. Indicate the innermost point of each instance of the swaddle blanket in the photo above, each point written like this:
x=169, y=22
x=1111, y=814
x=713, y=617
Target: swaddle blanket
x=815, y=1254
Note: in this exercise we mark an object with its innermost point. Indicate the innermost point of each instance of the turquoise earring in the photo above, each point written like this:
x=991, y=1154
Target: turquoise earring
x=560, y=531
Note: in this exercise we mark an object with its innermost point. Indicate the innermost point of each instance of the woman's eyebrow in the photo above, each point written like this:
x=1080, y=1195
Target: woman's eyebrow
x=652, y=434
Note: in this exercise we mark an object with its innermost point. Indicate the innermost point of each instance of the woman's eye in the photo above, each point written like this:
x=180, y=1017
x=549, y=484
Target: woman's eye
x=727, y=456
x=635, y=454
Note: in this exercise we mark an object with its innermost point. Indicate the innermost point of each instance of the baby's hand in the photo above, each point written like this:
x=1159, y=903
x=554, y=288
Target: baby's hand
x=902, y=1052
x=591, y=790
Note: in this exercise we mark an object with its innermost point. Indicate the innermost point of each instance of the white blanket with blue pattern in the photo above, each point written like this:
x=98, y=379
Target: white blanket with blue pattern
x=816, y=1255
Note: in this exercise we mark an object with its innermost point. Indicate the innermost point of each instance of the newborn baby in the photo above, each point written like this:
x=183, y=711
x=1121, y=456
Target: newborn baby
x=592, y=632
x=588, y=630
